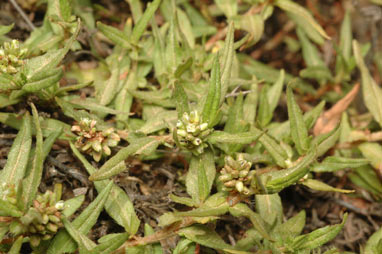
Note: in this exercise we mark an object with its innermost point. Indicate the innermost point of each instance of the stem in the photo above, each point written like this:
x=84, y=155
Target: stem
x=22, y=13
x=165, y=233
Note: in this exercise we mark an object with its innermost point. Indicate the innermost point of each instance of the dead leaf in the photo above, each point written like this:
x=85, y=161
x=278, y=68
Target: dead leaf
x=329, y=120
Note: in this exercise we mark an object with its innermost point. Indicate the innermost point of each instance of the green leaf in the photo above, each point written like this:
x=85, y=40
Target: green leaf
x=227, y=60
x=235, y=123
x=183, y=68
x=335, y=163
x=62, y=242
x=254, y=25
x=318, y=237
x=5, y=29
x=113, y=242
x=274, y=92
x=319, y=73
x=250, y=104
x=309, y=51
x=372, y=152
x=71, y=205
x=43, y=80
x=264, y=115
x=82, y=240
x=92, y=105
x=185, y=27
x=291, y=228
x=102, y=175
x=141, y=146
x=320, y=186
x=344, y=48
x=366, y=178
x=274, y=149
x=115, y=35
x=136, y=9
x=124, y=99
x=275, y=181
x=374, y=244
x=205, y=211
x=265, y=72
x=243, y=210
x=212, y=103
x=228, y=7
x=237, y=138
x=184, y=246
x=172, y=47
x=298, y=128
x=16, y=165
x=8, y=83
x=371, y=92
x=109, y=89
x=164, y=119
x=49, y=60
x=326, y=141
x=204, y=236
x=301, y=14
x=270, y=208
x=144, y=20
x=118, y=204
x=201, y=176
x=181, y=100
x=7, y=209
x=16, y=245
x=33, y=179
x=182, y=200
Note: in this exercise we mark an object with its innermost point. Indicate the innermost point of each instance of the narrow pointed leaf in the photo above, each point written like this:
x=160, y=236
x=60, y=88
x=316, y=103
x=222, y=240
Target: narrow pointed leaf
x=373, y=245
x=200, y=176
x=113, y=243
x=115, y=35
x=318, y=237
x=16, y=245
x=82, y=240
x=38, y=82
x=320, y=186
x=32, y=181
x=298, y=128
x=270, y=208
x=118, y=204
x=257, y=222
x=250, y=104
x=274, y=92
x=275, y=181
x=144, y=20
x=227, y=60
x=97, y=176
x=237, y=138
x=371, y=92
x=62, y=242
x=212, y=102
x=302, y=13
x=71, y=205
x=335, y=163
x=15, y=167
x=274, y=149
x=181, y=100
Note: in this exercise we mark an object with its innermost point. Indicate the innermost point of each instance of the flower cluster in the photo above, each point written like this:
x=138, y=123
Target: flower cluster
x=11, y=57
x=41, y=221
x=236, y=175
x=93, y=141
x=191, y=132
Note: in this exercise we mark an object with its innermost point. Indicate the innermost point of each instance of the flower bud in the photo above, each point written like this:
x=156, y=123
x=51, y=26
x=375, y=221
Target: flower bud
x=239, y=186
x=231, y=183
